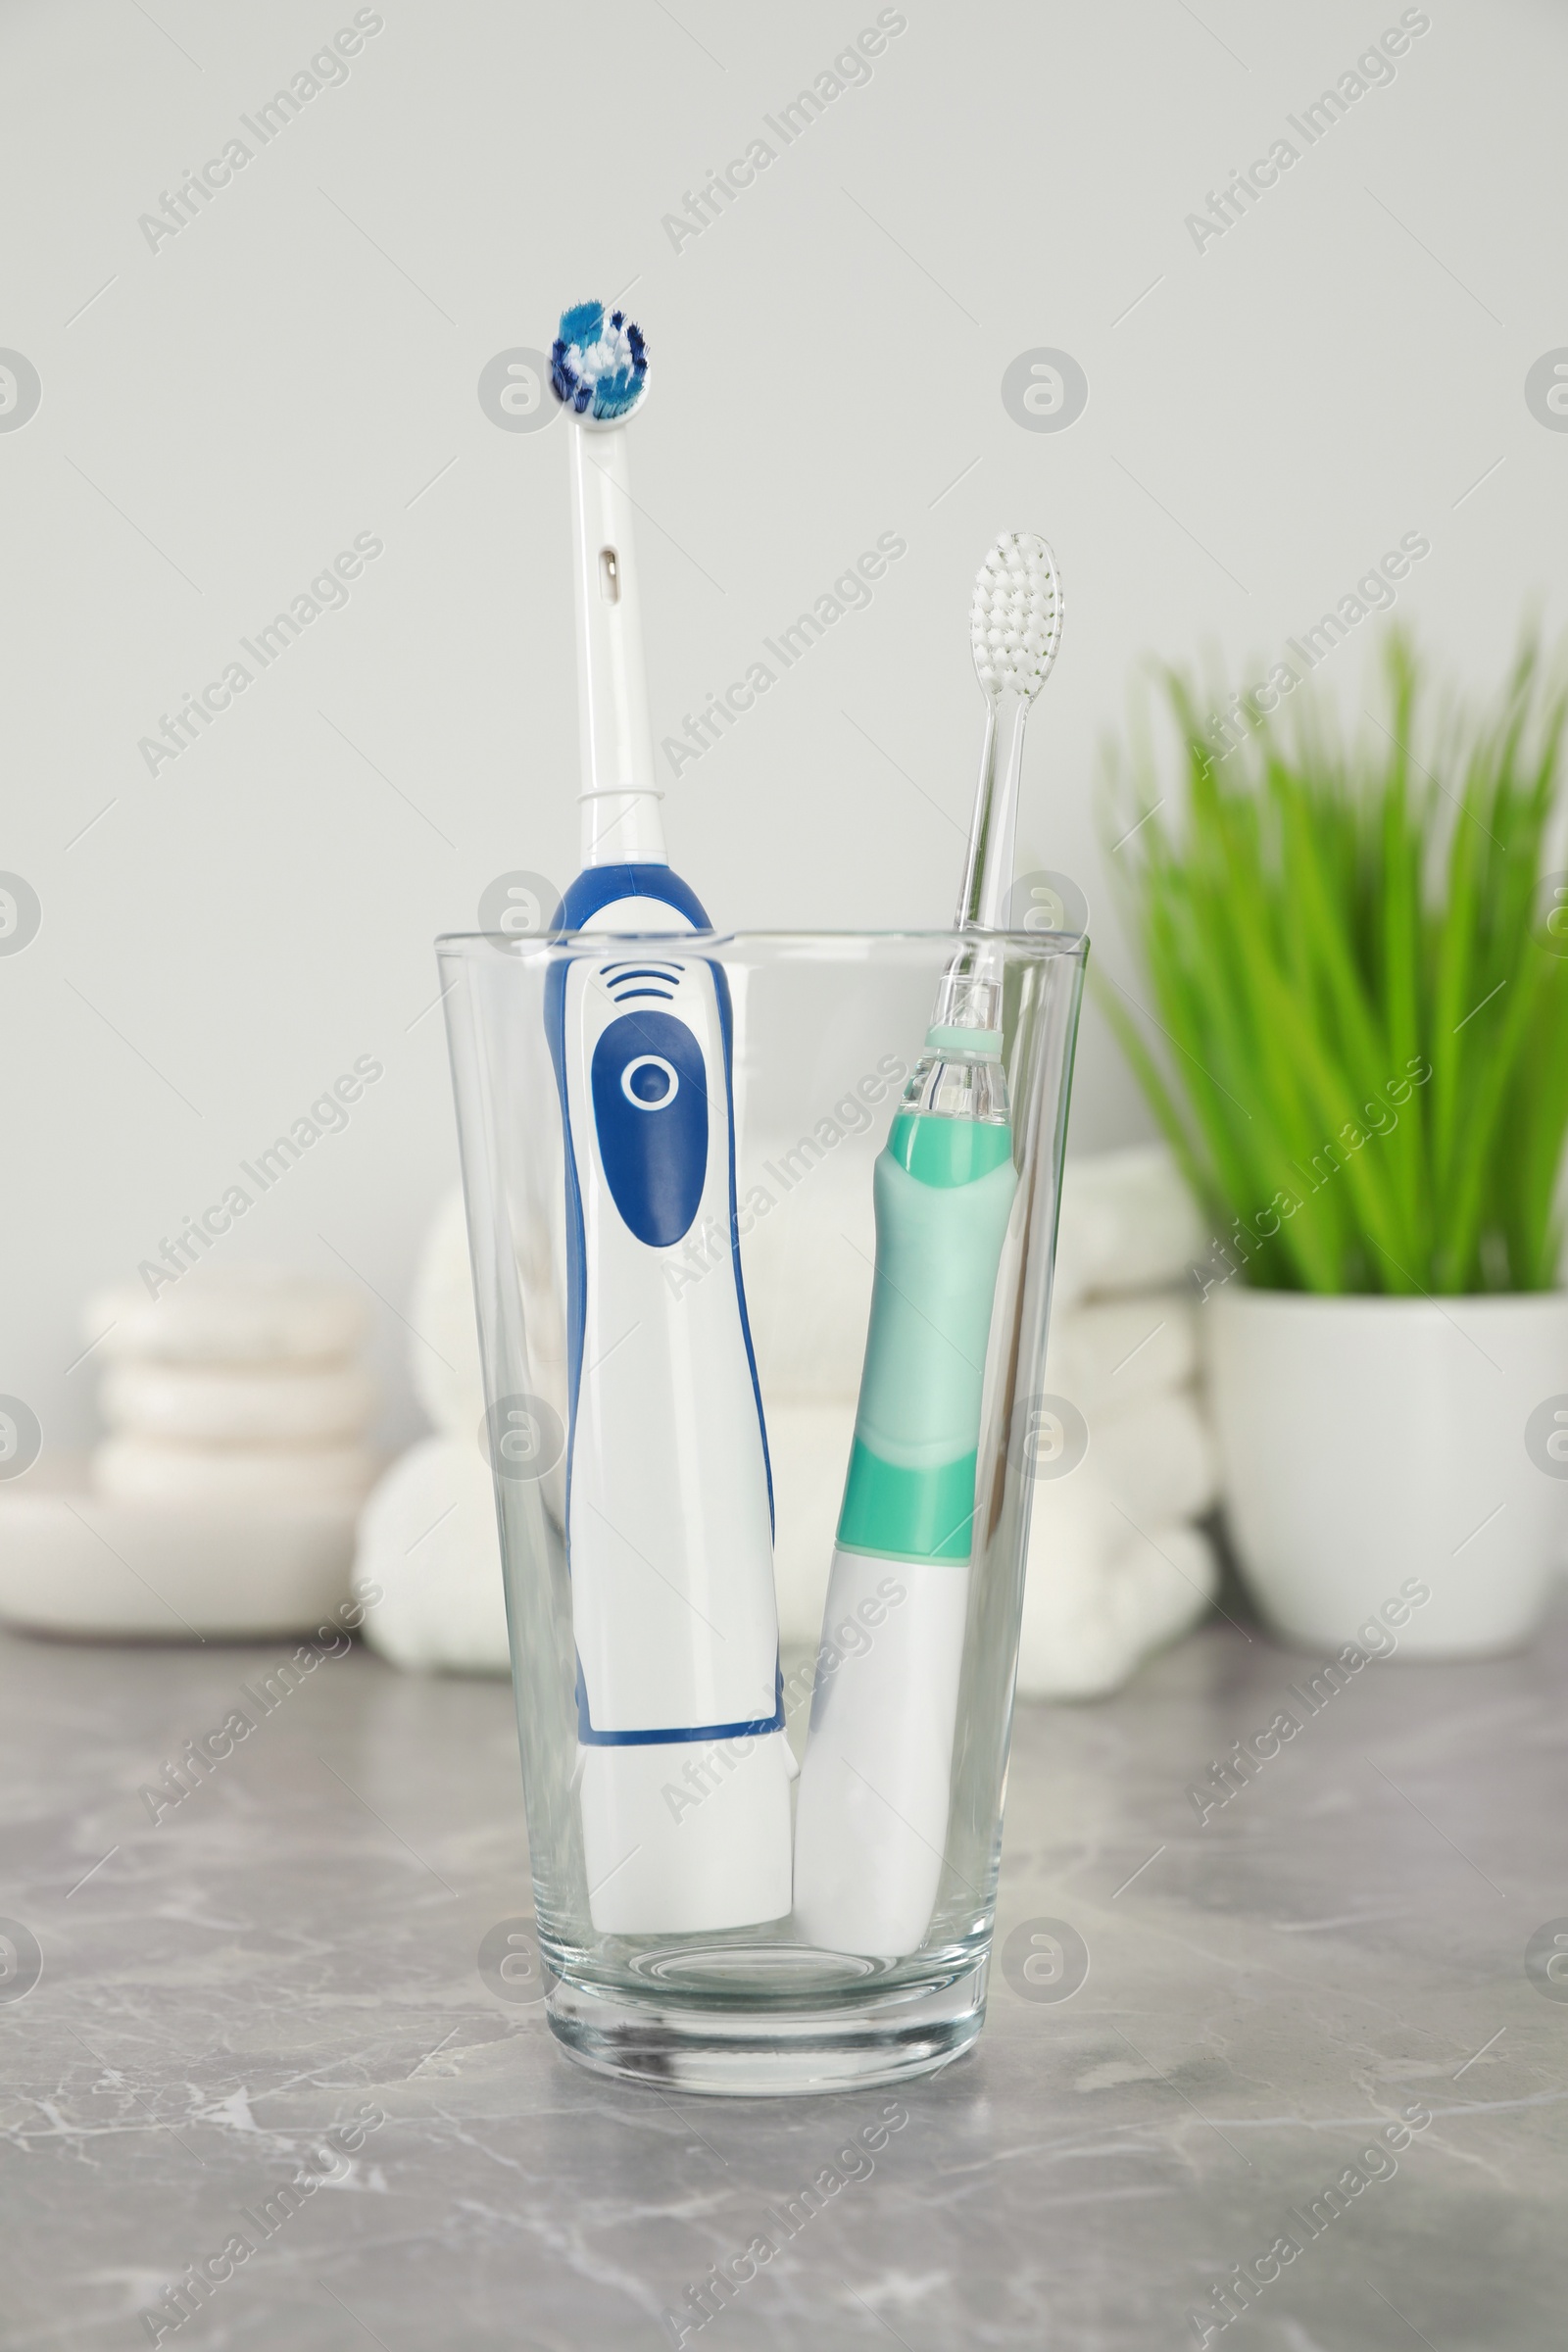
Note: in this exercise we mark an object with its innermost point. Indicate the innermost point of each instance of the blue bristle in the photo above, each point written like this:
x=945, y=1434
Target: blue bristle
x=581, y=324
x=614, y=394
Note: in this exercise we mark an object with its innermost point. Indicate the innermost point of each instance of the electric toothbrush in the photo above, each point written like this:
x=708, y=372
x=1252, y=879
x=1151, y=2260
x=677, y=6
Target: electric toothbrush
x=684, y=1767
x=872, y=1819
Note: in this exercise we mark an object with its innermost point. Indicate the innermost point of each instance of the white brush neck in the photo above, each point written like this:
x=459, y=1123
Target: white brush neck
x=620, y=821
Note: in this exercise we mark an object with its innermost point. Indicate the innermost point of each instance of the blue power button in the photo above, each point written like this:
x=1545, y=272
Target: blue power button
x=650, y=1082
x=650, y=1096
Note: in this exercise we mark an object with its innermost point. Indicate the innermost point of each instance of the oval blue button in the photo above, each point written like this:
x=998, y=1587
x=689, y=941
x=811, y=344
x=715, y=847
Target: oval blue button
x=650, y=1096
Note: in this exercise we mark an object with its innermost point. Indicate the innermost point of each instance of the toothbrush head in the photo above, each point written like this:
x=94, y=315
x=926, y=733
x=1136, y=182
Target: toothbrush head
x=598, y=364
x=1016, y=619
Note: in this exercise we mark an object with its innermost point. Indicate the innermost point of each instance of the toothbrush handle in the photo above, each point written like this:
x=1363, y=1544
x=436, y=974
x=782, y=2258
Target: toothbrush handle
x=669, y=1499
x=943, y=1192
x=875, y=1786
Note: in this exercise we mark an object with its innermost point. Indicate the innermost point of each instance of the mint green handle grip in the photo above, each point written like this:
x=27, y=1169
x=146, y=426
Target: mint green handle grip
x=944, y=1191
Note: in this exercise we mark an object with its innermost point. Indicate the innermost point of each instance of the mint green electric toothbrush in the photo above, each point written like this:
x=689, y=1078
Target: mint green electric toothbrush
x=872, y=1814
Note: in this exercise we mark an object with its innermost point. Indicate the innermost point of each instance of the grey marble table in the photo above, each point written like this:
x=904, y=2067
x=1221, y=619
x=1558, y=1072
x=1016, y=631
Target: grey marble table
x=293, y=1947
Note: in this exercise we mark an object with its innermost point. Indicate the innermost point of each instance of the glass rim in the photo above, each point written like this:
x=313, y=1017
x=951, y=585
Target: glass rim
x=1039, y=945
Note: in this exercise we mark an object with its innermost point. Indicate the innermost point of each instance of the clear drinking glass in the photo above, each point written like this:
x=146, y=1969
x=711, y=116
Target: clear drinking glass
x=826, y=1037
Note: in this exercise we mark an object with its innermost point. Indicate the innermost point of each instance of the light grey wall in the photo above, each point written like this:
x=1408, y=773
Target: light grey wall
x=223, y=409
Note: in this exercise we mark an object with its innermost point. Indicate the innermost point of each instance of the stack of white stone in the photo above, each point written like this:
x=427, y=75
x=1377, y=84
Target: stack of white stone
x=240, y=1387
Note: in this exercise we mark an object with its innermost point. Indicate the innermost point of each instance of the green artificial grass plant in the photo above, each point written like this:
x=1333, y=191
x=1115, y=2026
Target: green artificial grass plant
x=1357, y=974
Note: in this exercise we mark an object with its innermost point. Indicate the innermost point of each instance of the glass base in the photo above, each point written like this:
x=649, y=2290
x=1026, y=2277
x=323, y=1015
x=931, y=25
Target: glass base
x=756, y=2052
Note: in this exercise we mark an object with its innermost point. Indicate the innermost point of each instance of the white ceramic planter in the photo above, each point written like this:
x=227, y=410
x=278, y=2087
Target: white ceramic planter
x=1367, y=1443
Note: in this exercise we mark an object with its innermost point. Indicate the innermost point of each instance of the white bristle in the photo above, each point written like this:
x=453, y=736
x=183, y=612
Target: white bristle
x=599, y=360
x=1016, y=617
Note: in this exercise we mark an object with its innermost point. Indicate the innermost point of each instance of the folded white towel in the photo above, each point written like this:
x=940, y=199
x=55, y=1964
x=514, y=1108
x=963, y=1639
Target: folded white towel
x=1093, y=1609
x=1128, y=1223
x=809, y=1447
x=427, y=1536
x=1154, y=1457
x=1114, y=1573
x=1111, y=1352
x=808, y=1269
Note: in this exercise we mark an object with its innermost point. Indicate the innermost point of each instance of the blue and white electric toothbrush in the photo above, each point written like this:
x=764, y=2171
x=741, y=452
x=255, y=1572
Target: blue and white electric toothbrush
x=876, y=1784
x=684, y=1763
